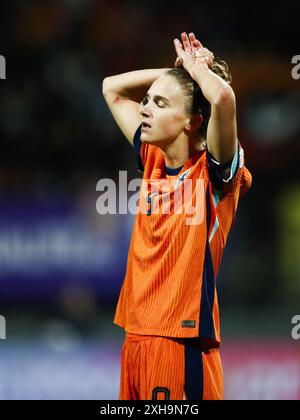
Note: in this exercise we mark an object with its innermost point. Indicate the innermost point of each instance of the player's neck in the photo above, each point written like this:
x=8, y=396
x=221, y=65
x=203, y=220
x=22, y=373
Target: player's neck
x=179, y=152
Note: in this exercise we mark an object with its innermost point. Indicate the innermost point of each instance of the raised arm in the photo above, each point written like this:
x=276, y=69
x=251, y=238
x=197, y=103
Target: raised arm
x=123, y=94
x=222, y=130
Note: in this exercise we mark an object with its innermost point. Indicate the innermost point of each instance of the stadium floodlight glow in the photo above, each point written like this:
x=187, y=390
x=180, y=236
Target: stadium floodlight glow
x=2, y=328
x=2, y=68
x=296, y=68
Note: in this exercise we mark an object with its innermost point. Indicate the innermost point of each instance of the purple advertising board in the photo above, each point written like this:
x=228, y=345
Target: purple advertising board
x=48, y=243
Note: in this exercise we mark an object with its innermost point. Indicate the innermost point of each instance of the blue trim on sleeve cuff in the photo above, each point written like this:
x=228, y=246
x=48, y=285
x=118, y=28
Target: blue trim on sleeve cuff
x=234, y=166
x=216, y=170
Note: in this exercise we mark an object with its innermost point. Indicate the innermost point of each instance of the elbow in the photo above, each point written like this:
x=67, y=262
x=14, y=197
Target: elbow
x=225, y=97
x=105, y=86
x=109, y=90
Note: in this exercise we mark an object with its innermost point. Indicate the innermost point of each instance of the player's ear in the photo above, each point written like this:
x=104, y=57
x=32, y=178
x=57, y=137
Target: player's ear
x=194, y=123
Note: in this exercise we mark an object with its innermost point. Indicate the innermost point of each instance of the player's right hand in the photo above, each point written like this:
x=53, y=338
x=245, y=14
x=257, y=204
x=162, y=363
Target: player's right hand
x=190, y=49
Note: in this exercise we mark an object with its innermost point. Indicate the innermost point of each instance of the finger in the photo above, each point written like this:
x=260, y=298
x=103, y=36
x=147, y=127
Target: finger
x=178, y=62
x=203, y=60
x=194, y=41
x=206, y=60
x=210, y=63
x=186, y=42
x=177, y=43
x=197, y=44
x=207, y=52
x=183, y=55
x=192, y=37
x=178, y=46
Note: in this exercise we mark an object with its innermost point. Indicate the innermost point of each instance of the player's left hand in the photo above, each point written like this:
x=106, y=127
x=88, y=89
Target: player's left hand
x=191, y=52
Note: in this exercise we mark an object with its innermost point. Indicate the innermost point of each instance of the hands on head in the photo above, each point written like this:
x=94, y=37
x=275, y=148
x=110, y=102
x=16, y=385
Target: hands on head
x=190, y=52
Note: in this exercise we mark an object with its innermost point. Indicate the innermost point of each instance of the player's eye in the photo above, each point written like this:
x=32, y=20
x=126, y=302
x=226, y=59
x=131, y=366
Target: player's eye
x=160, y=104
x=145, y=100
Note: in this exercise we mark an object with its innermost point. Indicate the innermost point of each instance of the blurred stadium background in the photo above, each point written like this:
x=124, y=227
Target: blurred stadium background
x=62, y=264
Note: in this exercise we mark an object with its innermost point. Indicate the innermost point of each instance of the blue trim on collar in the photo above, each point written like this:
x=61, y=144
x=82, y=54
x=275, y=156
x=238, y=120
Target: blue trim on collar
x=137, y=147
x=173, y=171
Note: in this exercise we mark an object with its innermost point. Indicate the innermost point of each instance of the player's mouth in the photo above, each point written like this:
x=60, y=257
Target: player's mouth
x=145, y=126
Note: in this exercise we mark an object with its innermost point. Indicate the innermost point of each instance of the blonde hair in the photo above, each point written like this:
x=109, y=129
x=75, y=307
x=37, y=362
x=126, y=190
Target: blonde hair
x=220, y=67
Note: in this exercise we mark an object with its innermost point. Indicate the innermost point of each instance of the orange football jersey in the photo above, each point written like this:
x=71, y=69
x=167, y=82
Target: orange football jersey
x=177, y=243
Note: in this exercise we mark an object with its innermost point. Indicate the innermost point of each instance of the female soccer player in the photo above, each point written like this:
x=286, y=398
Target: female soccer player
x=184, y=133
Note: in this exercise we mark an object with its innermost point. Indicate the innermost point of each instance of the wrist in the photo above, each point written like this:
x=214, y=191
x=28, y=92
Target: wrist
x=198, y=71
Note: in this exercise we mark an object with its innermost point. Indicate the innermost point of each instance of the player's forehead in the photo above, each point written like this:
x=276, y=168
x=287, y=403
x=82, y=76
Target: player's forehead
x=166, y=87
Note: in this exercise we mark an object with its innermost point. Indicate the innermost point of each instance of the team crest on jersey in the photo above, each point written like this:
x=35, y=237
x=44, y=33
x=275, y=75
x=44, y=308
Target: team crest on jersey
x=182, y=178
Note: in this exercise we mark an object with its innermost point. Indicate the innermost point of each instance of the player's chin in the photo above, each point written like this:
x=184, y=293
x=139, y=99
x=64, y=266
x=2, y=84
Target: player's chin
x=146, y=138
x=150, y=137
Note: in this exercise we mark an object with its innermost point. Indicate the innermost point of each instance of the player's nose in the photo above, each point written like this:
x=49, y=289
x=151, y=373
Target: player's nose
x=145, y=111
